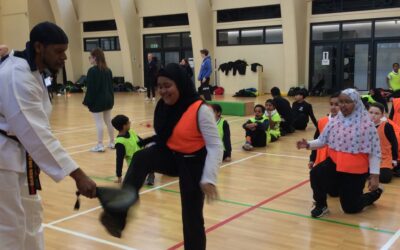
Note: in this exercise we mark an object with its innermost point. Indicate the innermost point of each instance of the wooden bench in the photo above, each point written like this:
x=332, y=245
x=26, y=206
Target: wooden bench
x=235, y=108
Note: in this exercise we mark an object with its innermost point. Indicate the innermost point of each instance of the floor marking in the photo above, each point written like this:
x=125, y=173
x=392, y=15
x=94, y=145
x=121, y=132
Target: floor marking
x=391, y=241
x=88, y=237
x=246, y=211
x=143, y=192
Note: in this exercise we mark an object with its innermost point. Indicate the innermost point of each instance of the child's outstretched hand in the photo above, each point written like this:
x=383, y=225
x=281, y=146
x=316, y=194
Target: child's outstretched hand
x=302, y=144
x=118, y=180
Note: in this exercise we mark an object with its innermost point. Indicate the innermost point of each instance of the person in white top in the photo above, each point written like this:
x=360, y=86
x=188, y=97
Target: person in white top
x=25, y=128
x=187, y=145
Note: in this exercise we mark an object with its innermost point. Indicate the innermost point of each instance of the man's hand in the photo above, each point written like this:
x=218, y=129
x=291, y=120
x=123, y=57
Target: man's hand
x=85, y=185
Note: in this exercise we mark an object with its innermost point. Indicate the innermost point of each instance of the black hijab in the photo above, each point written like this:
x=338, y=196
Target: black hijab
x=166, y=116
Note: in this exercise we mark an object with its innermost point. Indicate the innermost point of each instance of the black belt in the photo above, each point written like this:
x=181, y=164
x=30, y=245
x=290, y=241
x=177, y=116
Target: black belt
x=32, y=169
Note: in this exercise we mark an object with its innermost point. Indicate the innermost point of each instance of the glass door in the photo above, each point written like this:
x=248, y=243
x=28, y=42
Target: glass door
x=387, y=53
x=324, y=68
x=356, y=66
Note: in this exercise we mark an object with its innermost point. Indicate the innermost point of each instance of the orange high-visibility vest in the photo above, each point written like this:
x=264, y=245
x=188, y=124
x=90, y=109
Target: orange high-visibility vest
x=186, y=137
x=396, y=111
x=397, y=132
x=322, y=153
x=349, y=163
x=386, y=147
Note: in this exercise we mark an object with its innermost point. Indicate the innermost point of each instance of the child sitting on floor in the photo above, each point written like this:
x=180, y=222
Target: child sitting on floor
x=224, y=132
x=256, y=129
x=127, y=144
x=387, y=137
x=274, y=119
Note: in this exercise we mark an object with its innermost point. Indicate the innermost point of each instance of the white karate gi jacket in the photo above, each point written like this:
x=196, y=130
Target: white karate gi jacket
x=25, y=111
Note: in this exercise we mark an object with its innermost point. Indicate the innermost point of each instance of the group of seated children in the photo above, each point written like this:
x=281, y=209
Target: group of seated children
x=277, y=118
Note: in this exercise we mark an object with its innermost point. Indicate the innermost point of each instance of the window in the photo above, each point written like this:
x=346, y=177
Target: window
x=172, y=40
x=105, y=43
x=152, y=41
x=325, y=32
x=332, y=6
x=165, y=21
x=387, y=28
x=186, y=40
x=273, y=35
x=228, y=37
x=357, y=30
x=251, y=13
x=252, y=36
x=105, y=25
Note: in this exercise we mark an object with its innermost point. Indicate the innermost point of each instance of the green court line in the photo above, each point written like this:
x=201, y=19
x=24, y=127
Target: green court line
x=296, y=214
x=108, y=179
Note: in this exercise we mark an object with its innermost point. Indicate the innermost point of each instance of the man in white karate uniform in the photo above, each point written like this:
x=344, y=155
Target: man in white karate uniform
x=24, y=125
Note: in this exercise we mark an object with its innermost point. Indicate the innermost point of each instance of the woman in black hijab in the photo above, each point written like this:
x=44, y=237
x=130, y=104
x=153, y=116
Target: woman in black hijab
x=187, y=145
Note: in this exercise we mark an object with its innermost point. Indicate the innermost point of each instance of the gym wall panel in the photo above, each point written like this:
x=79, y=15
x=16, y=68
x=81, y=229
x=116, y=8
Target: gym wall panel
x=9, y=7
x=229, y=4
x=93, y=10
x=39, y=11
x=271, y=56
x=113, y=58
x=11, y=24
x=158, y=8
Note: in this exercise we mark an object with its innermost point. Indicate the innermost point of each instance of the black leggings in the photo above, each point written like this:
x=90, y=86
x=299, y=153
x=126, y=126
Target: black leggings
x=324, y=178
x=386, y=175
x=189, y=169
x=151, y=88
x=300, y=122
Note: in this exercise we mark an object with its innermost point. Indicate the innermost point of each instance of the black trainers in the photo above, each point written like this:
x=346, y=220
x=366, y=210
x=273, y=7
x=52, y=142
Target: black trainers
x=150, y=179
x=374, y=195
x=318, y=211
x=396, y=171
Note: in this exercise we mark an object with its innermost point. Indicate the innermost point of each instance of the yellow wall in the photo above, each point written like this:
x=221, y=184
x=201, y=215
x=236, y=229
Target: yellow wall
x=93, y=10
x=39, y=11
x=14, y=17
x=232, y=4
x=270, y=56
x=163, y=7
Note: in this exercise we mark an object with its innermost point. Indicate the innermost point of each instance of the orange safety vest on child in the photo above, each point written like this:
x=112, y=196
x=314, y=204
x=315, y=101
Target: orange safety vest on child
x=396, y=129
x=386, y=147
x=396, y=111
x=349, y=163
x=186, y=137
x=322, y=153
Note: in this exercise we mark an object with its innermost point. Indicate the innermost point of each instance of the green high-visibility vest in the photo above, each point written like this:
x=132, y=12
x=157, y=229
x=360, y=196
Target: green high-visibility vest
x=130, y=144
x=369, y=97
x=220, y=126
x=394, y=80
x=276, y=131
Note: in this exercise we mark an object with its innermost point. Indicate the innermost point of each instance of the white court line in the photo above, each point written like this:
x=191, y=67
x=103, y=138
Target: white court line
x=87, y=127
x=278, y=155
x=144, y=192
x=391, y=241
x=88, y=237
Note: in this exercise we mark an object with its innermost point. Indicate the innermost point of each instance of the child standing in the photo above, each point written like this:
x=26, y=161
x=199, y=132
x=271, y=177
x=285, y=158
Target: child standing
x=127, y=144
x=256, y=129
x=320, y=155
x=302, y=111
x=389, y=144
x=223, y=131
x=274, y=119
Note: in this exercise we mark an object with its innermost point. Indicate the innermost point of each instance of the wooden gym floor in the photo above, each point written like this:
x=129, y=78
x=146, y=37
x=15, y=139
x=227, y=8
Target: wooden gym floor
x=265, y=196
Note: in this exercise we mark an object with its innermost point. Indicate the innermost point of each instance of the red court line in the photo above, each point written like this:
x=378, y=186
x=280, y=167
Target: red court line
x=246, y=211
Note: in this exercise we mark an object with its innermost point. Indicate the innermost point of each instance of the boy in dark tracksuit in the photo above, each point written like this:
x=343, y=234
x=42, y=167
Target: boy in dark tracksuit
x=256, y=129
x=127, y=144
x=302, y=111
x=285, y=111
x=224, y=132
